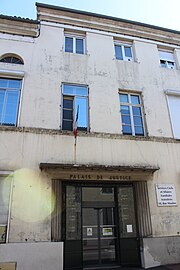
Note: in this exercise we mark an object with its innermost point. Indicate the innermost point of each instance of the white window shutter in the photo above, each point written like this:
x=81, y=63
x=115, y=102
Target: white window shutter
x=174, y=109
x=166, y=56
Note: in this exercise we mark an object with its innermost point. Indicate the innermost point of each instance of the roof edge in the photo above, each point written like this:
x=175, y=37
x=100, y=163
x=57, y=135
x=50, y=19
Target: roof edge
x=27, y=20
x=106, y=17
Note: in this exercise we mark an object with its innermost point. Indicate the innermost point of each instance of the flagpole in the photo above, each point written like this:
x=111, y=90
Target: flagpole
x=75, y=131
x=75, y=151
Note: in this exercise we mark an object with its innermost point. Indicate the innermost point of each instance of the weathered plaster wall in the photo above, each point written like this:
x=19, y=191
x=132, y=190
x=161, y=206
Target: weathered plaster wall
x=33, y=255
x=161, y=251
x=31, y=207
x=28, y=150
x=47, y=66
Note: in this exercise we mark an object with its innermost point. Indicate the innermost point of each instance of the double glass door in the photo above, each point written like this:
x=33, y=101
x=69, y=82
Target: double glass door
x=99, y=236
x=100, y=227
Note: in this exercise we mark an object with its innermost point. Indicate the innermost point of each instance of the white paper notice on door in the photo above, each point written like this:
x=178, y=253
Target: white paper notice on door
x=89, y=232
x=129, y=228
x=107, y=231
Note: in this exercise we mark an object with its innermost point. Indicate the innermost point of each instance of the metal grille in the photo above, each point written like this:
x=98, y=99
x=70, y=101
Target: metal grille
x=56, y=214
x=143, y=211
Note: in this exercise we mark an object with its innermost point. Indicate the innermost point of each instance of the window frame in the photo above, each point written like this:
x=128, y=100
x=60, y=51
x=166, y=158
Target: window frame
x=11, y=58
x=165, y=61
x=4, y=175
x=124, y=57
x=74, y=37
x=172, y=94
x=72, y=97
x=7, y=90
x=131, y=105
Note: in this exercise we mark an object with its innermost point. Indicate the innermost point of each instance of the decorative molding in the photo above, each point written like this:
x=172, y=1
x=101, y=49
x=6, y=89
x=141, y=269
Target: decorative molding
x=172, y=92
x=12, y=73
x=107, y=23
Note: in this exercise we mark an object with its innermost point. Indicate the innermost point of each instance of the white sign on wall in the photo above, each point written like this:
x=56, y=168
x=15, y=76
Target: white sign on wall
x=166, y=195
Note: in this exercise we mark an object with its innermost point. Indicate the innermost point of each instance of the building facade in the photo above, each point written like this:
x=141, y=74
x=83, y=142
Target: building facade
x=109, y=197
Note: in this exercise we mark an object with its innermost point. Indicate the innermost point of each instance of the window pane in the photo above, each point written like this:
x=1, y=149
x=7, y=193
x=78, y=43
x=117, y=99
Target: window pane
x=82, y=117
x=163, y=63
x=123, y=98
x=139, y=131
x=125, y=110
x=127, y=130
x=81, y=91
x=68, y=103
x=136, y=111
x=16, y=84
x=2, y=95
x=171, y=65
x=4, y=199
x=68, y=44
x=75, y=90
x=138, y=121
x=126, y=120
x=11, y=106
x=79, y=45
x=11, y=59
x=67, y=125
x=68, y=114
x=118, y=52
x=3, y=83
x=127, y=51
x=135, y=99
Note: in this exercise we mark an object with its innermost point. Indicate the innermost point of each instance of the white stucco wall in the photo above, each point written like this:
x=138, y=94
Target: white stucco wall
x=47, y=66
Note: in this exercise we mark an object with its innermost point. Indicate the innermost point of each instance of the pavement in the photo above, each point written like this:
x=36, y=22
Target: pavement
x=162, y=267
x=166, y=267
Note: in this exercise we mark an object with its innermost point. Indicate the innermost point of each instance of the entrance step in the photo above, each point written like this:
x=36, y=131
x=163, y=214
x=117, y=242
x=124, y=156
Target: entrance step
x=113, y=268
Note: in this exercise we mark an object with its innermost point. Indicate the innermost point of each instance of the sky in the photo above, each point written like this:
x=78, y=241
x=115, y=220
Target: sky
x=163, y=13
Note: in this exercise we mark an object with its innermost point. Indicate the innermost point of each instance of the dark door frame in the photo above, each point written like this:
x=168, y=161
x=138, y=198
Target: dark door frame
x=113, y=185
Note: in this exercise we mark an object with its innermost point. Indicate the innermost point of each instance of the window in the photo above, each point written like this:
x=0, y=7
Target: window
x=5, y=187
x=74, y=44
x=167, y=59
x=75, y=96
x=131, y=114
x=9, y=100
x=12, y=59
x=123, y=52
x=174, y=110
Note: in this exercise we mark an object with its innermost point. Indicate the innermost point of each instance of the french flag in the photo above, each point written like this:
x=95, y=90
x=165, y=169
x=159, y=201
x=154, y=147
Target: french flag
x=75, y=129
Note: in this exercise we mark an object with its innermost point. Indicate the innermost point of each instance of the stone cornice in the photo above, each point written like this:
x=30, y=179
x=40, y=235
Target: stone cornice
x=106, y=23
x=57, y=132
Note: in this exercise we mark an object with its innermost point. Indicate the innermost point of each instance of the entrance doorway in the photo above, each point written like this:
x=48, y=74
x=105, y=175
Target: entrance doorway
x=99, y=237
x=100, y=227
